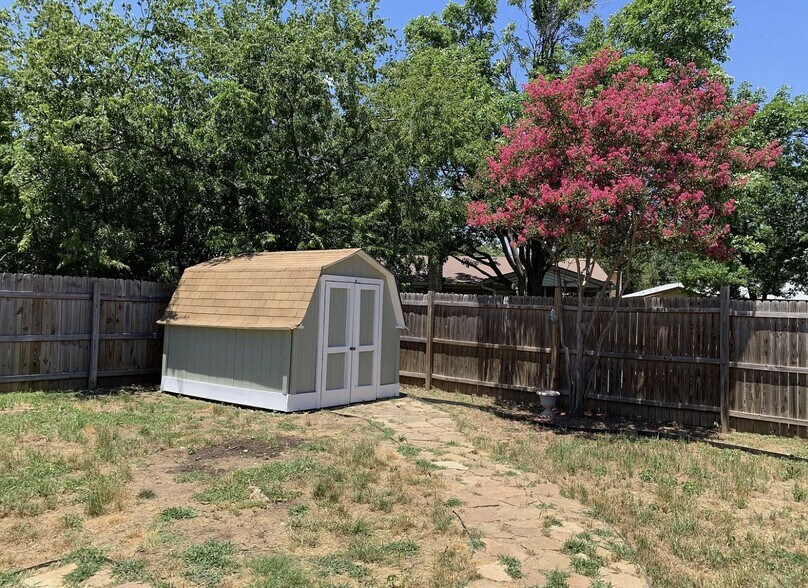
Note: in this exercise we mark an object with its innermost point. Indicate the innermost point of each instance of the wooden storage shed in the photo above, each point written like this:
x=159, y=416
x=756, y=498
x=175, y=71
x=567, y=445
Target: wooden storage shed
x=285, y=331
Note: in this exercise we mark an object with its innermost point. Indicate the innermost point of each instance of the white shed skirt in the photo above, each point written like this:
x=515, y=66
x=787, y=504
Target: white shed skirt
x=256, y=398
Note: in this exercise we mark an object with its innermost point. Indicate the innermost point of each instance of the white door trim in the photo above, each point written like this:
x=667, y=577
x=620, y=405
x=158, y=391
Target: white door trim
x=338, y=396
x=369, y=392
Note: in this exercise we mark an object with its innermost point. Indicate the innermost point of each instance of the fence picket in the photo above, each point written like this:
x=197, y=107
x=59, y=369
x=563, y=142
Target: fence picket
x=46, y=335
x=665, y=359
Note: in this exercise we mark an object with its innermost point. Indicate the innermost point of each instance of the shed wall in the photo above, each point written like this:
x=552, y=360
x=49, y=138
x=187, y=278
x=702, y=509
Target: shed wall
x=304, y=346
x=245, y=358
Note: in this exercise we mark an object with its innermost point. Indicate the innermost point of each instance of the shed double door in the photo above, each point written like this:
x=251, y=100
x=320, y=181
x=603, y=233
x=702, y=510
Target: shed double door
x=351, y=342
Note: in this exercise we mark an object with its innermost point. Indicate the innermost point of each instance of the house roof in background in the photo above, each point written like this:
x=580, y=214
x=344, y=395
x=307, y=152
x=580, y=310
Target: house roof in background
x=261, y=291
x=462, y=271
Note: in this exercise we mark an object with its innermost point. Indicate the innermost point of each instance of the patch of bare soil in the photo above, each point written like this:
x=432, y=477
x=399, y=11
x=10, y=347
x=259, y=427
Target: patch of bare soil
x=199, y=460
x=19, y=407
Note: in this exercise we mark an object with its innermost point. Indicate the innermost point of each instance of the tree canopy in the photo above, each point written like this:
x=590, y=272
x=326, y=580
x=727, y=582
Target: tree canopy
x=139, y=139
x=687, y=31
x=769, y=231
x=147, y=140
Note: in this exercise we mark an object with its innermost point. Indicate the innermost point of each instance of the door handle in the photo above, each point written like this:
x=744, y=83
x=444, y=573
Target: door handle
x=353, y=348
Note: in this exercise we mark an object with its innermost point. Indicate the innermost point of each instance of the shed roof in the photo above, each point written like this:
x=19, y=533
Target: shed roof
x=259, y=291
x=662, y=289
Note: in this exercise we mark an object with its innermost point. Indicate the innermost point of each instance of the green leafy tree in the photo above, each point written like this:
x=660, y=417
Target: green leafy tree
x=10, y=214
x=770, y=226
x=593, y=38
x=146, y=140
x=551, y=28
x=696, y=31
x=444, y=104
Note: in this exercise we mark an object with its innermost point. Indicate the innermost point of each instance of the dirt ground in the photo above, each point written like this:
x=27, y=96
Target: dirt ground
x=349, y=505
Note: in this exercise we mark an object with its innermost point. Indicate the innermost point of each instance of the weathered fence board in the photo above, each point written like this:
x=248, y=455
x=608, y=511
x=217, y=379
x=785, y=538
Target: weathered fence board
x=54, y=333
x=683, y=359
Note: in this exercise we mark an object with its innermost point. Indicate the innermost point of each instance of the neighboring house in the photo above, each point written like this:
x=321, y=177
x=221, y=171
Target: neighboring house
x=463, y=275
x=672, y=290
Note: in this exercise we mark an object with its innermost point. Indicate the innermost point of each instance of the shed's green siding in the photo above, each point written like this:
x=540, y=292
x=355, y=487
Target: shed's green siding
x=304, y=349
x=304, y=346
x=244, y=358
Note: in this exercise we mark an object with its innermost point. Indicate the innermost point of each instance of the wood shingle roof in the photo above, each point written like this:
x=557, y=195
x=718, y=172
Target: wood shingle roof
x=261, y=291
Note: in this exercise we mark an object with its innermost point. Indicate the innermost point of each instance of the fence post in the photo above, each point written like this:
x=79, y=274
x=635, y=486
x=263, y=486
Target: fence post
x=724, y=360
x=430, y=328
x=92, y=371
x=554, y=330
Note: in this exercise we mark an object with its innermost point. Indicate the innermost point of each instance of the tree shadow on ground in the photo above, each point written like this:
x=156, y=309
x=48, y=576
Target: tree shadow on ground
x=111, y=392
x=593, y=425
x=589, y=422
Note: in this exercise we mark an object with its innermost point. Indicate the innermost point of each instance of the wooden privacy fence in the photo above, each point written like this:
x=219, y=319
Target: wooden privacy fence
x=696, y=361
x=64, y=332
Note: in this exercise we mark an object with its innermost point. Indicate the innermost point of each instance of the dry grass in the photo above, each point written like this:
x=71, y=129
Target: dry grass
x=177, y=492
x=695, y=515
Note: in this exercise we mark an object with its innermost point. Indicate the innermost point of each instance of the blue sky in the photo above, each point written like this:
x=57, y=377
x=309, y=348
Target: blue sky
x=767, y=49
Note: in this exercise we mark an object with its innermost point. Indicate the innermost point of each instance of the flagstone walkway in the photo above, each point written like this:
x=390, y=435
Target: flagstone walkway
x=517, y=522
x=515, y=514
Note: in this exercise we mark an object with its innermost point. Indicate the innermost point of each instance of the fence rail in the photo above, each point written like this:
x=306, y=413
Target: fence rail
x=694, y=361
x=67, y=332
x=697, y=361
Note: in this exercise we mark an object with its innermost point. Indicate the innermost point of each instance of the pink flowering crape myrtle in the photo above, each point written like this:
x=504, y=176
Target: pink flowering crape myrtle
x=607, y=152
x=607, y=161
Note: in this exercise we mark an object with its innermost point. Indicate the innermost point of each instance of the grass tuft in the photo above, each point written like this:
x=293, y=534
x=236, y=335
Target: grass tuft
x=269, y=479
x=441, y=518
x=550, y=521
x=408, y=450
x=176, y=513
x=72, y=521
x=278, y=571
x=425, y=465
x=513, y=567
x=336, y=564
x=88, y=561
x=102, y=493
x=207, y=563
x=10, y=580
x=452, y=568
x=799, y=493
x=557, y=579
x=131, y=570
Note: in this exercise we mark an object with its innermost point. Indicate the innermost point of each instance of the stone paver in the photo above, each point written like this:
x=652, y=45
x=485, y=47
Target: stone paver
x=49, y=578
x=508, y=510
x=54, y=577
x=101, y=579
x=494, y=571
